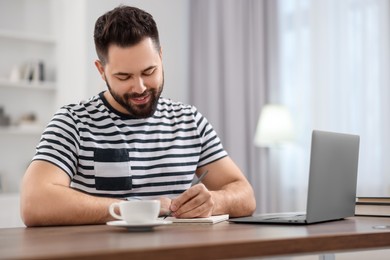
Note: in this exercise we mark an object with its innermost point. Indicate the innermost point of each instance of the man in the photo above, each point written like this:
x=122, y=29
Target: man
x=128, y=142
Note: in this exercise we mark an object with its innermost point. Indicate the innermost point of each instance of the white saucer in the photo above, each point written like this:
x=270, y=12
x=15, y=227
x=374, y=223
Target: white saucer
x=138, y=226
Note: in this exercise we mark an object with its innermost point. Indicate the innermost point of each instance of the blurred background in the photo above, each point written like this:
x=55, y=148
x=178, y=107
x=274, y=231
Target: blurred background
x=325, y=62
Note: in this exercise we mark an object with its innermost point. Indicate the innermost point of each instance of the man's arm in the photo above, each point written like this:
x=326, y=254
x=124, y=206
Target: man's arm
x=225, y=190
x=47, y=199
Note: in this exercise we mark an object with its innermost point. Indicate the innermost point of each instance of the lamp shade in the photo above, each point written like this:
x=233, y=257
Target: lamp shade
x=274, y=127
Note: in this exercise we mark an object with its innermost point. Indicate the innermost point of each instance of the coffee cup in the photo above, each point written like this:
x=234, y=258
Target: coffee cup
x=136, y=211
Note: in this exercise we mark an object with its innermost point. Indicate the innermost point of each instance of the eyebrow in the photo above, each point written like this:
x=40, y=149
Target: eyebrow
x=130, y=74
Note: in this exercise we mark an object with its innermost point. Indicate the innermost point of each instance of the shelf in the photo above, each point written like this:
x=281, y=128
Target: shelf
x=27, y=37
x=21, y=130
x=28, y=85
x=28, y=40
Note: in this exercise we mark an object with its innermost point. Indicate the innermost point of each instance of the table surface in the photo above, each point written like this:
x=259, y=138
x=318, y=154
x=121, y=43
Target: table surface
x=190, y=241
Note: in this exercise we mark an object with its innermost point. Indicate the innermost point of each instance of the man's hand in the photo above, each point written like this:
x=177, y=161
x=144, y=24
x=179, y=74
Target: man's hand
x=197, y=201
x=225, y=190
x=165, y=204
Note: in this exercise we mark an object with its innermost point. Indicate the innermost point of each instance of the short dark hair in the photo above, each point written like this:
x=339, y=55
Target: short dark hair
x=124, y=26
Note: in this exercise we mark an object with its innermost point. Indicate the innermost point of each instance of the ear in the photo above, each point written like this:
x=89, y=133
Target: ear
x=100, y=68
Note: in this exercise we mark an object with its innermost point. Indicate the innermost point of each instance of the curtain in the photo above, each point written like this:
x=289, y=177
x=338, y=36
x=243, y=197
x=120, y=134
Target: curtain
x=333, y=65
x=327, y=61
x=228, y=80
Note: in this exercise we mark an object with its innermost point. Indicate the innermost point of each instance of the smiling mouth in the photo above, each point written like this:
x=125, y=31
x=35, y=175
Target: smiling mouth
x=140, y=100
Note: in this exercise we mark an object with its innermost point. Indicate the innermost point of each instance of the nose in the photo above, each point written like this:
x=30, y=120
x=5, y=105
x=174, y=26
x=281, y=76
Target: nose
x=138, y=85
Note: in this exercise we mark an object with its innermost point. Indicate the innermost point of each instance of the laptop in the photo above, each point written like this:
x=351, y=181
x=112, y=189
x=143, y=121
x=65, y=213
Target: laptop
x=332, y=182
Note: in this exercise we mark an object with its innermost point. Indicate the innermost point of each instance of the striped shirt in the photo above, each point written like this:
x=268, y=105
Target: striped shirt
x=107, y=153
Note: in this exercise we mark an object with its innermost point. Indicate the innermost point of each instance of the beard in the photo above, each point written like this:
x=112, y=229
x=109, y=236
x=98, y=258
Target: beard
x=135, y=110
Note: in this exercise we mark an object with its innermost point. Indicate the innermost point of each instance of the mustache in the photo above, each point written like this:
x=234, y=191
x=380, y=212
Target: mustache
x=136, y=95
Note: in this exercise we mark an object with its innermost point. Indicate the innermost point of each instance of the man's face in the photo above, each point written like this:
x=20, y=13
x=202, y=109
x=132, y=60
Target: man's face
x=134, y=77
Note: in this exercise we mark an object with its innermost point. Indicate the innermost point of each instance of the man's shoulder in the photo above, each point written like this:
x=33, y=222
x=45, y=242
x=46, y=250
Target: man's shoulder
x=88, y=109
x=84, y=106
x=166, y=104
x=169, y=102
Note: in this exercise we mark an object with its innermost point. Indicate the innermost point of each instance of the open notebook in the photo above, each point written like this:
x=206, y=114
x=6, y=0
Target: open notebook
x=209, y=220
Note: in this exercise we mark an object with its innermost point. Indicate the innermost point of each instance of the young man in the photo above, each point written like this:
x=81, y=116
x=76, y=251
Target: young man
x=129, y=142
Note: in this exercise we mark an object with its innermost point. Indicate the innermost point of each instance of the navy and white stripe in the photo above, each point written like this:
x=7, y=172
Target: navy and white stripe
x=106, y=153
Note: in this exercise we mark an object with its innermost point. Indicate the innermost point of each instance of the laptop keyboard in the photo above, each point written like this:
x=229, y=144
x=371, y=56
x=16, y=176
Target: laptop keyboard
x=298, y=217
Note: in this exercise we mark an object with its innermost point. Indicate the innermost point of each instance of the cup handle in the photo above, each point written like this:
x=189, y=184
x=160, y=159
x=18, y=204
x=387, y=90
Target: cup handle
x=111, y=209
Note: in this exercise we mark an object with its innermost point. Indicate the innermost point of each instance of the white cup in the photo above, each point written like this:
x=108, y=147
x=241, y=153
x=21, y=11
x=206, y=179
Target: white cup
x=136, y=211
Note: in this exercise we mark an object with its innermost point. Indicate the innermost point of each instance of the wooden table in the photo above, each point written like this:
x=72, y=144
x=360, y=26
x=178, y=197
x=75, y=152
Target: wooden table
x=186, y=241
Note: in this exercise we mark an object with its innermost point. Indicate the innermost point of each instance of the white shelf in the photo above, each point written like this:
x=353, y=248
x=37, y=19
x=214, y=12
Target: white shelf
x=22, y=36
x=27, y=37
x=50, y=86
x=21, y=130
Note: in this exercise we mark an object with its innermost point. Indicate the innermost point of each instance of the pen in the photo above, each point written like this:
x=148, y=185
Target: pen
x=197, y=181
x=201, y=177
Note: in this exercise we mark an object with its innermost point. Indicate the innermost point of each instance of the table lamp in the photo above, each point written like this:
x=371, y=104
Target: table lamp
x=274, y=127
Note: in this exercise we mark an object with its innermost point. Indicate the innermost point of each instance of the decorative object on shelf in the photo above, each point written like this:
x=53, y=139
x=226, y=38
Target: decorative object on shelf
x=15, y=75
x=33, y=71
x=4, y=119
x=28, y=118
x=29, y=123
x=275, y=126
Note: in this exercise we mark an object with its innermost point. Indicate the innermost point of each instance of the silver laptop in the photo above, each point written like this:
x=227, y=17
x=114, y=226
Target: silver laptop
x=332, y=182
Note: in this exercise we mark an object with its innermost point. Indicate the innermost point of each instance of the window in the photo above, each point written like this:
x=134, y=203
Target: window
x=333, y=70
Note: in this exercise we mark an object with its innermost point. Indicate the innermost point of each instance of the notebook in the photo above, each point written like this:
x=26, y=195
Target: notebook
x=209, y=220
x=332, y=182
